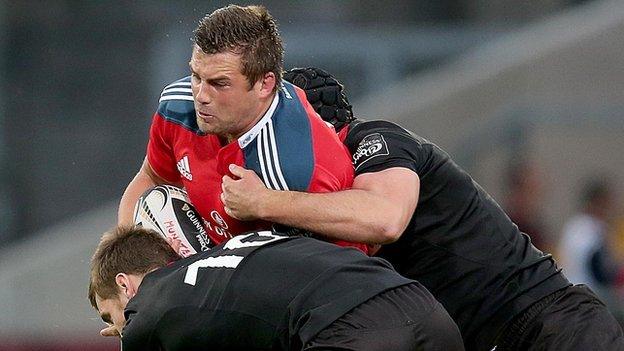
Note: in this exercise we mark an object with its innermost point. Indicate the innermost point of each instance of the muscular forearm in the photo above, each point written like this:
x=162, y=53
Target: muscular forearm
x=352, y=215
x=376, y=210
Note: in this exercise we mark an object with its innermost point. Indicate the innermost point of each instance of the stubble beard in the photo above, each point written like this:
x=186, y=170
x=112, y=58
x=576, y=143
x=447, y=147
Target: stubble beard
x=207, y=128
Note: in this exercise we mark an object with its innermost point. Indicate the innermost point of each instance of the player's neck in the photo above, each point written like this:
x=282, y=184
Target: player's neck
x=262, y=111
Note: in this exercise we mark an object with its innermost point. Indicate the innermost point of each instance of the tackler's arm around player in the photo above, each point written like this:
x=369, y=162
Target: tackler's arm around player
x=375, y=211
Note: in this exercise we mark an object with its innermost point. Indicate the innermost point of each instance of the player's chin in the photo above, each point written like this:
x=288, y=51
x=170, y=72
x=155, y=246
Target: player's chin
x=205, y=127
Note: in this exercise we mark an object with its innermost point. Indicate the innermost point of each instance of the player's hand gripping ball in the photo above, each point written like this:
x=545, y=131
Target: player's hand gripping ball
x=168, y=210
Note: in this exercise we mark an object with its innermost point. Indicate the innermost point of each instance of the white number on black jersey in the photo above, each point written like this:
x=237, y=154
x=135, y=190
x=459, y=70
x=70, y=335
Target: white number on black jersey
x=230, y=261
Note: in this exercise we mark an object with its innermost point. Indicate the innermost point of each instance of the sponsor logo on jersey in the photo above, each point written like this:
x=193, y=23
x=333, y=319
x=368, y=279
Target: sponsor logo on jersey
x=184, y=168
x=218, y=226
x=372, y=145
x=217, y=218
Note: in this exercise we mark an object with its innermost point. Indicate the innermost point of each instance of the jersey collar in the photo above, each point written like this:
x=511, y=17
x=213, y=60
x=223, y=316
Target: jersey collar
x=251, y=134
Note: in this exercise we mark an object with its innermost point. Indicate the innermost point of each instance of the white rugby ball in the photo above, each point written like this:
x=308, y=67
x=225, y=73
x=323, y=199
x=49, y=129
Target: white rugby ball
x=168, y=210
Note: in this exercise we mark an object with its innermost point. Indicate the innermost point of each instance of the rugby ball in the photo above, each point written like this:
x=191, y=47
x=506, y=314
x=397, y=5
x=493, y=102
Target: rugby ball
x=167, y=210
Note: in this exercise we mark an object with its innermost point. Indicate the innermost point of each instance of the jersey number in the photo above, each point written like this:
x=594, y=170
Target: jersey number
x=230, y=261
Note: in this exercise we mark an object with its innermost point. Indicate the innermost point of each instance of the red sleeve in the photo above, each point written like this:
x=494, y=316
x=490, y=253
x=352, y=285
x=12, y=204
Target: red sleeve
x=160, y=150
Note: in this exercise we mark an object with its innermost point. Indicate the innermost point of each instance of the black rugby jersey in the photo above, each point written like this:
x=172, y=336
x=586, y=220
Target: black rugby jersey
x=459, y=243
x=258, y=291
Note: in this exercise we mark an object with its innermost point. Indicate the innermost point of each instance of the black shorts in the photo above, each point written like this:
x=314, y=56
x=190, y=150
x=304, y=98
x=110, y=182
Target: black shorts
x=406, y=318
x=570, y=319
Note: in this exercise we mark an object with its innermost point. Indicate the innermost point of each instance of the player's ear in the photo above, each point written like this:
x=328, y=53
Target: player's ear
x=267, y=84
x=123, y=282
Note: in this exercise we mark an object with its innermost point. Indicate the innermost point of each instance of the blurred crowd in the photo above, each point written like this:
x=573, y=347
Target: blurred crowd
x=590, y=246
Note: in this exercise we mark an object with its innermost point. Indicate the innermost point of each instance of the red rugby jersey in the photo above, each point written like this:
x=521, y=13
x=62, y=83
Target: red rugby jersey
x=290, y=148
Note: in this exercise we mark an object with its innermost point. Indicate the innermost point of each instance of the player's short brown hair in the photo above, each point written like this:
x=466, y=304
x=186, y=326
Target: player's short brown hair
x=248, y=31
x=126, y=249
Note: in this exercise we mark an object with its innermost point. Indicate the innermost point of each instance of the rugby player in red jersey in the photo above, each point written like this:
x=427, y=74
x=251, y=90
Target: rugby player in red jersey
x=235, y=109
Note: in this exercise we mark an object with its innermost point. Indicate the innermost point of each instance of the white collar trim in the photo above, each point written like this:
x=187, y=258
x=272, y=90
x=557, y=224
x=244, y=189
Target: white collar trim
x=251, y=134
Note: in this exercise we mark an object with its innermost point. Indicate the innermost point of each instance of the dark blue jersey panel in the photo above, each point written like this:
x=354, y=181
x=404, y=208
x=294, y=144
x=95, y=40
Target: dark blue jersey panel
x=293, y=139
x=176, y=105
x=250, y=153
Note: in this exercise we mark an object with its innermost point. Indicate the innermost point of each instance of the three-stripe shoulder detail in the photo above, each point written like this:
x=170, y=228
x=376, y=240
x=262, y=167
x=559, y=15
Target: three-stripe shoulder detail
x=180, y=90
x=268, y=157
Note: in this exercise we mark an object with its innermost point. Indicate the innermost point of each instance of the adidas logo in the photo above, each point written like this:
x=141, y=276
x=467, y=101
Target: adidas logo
x=184, y=168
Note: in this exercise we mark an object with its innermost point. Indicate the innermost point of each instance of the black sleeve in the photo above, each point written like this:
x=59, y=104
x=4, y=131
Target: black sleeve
x=138, y=334
x=379, y=145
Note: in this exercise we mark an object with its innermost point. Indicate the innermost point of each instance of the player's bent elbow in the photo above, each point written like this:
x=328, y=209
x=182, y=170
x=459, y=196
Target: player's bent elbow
x=389, y=232
x=392, y=226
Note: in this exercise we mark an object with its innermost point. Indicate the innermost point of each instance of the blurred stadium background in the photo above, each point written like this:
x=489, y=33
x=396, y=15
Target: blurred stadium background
x=507, y=87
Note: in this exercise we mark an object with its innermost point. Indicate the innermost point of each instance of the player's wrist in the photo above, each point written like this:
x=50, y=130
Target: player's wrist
x=271, y=204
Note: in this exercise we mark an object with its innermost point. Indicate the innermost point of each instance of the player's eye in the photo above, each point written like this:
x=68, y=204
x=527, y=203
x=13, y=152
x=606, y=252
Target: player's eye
x=219, y=83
